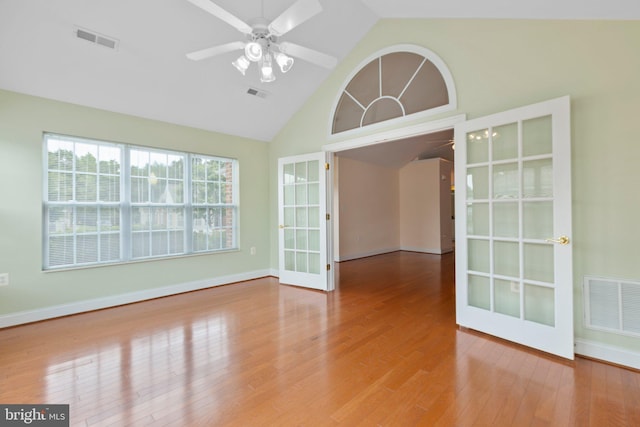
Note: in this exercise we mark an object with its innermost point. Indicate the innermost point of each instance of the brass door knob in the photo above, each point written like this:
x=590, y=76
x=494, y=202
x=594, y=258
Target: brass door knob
x=563, y=240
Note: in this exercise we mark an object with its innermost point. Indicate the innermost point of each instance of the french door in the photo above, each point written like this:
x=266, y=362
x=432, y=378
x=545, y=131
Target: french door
x=304, y=221
x=513, y=226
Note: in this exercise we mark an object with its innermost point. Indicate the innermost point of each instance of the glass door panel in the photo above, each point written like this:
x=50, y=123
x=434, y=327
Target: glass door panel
x=478, y=183
x=507, y=297
x=537, y=220
x=314, y=263
x=505, y=142
x=478, y=146
x=537, y=178
x=539, y=305
x=478, y=255
x=478, y=219
x=506, y=259
x=302, y=181
x=506, y=181
x=537, y=136
x=505, y=220
x=289, y=239
x=303, y=229
x=479, y=292
x=538, y=262
x=511, y=279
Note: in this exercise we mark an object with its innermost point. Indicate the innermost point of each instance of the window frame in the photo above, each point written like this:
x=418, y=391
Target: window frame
x=427, y=54
x=126, y=206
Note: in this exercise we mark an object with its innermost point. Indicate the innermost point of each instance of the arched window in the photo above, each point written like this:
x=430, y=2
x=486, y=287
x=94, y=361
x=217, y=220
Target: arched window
x=398, y=82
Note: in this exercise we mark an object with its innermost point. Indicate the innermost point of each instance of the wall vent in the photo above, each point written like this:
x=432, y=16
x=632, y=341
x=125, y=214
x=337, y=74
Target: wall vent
x=96, y=38
x=257, y=92
x=612, y=305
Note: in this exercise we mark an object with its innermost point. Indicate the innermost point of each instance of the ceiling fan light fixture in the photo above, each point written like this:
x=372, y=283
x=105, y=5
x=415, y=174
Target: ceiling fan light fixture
x=284, y=62
x=261, y=37
x=253, y=51
x=242, y=64
x=266, y=70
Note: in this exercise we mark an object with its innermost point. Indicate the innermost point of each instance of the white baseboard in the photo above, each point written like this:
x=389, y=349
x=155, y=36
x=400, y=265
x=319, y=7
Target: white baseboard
x=365, y=254
x=30, y=316
x=437, y=251
x=608, y=353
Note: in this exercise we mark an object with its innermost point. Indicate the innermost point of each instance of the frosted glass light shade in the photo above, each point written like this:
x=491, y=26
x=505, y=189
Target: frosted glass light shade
x=284, y=62
x=266, y=70
x=242, y=63
x=253, y=51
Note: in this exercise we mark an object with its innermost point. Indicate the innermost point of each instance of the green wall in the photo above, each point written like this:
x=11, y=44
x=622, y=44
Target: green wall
x=502, y=64
x=23, y=119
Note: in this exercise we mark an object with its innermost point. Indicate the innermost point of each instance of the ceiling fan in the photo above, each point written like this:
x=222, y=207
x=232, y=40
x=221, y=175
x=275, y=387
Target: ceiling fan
x=262, y=45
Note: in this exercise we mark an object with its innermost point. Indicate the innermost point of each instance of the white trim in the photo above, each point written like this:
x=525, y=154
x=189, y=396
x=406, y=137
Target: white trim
x=378, y=99
x=397, y=122
x=366, y=254
x=434, y=251
x=400, y=133
x=412, y=48
x=29, y=316
x=608, y=353
x=355, y=100
x=424, y=59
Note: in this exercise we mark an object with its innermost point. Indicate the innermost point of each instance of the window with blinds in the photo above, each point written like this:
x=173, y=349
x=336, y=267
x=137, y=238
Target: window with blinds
x=109, y=203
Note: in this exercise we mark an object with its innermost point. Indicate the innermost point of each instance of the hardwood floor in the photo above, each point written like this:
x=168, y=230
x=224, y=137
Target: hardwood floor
x=383, y=349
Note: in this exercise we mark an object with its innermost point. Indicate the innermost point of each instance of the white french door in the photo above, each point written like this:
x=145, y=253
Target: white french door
x=303, y=222
x=513, y=226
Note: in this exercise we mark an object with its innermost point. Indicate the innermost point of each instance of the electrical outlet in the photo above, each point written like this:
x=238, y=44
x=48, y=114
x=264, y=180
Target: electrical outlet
x=4, y=279
x=253, y=250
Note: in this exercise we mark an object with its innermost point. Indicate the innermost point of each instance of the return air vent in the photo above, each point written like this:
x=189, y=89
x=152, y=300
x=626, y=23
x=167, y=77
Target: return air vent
x=93, y=37
x=612, y=305
x=257, y=92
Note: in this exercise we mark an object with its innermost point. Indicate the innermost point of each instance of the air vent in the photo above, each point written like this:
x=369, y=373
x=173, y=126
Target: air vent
x=93, y=37
x=612, y=305
x=257, y=92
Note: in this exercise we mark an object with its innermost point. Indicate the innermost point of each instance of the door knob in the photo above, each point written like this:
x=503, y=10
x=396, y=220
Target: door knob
x=563, y=240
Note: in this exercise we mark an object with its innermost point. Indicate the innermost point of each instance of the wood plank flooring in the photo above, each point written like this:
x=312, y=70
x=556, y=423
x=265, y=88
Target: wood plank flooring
x=382, y=350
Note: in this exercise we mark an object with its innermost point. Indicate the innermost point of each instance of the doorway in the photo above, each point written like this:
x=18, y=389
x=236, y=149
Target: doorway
x=394, y=195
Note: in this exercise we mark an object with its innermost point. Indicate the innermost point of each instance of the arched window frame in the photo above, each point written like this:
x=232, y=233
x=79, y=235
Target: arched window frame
x=420, y=50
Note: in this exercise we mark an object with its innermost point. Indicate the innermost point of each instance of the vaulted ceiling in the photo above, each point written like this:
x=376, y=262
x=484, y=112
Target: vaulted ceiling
x=148, y=75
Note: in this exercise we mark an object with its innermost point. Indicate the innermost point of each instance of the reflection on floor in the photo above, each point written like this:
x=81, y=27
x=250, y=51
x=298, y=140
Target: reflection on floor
x=383, y=349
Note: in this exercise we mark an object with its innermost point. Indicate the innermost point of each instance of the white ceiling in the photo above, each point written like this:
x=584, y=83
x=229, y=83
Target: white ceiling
x=396, y=154
x=149, y=75
x=526, y=9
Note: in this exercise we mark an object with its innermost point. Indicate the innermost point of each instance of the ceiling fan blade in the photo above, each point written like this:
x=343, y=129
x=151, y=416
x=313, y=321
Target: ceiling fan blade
x=222, y=14
x=297, y=13
x=216, y=50
x=309, y=55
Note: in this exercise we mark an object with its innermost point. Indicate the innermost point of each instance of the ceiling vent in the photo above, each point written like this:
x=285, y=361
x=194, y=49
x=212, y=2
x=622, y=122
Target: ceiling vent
x=96, y=38
x=257, y=92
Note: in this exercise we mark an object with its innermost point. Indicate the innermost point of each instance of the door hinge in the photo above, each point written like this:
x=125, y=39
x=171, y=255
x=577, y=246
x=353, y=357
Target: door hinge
x=326, y=166
x=328, y=267
x=328, y=217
